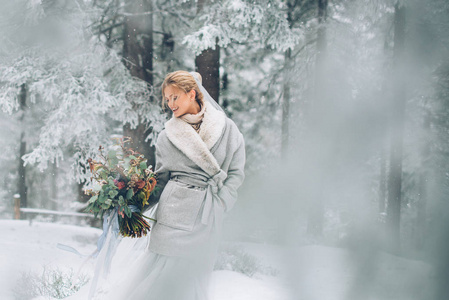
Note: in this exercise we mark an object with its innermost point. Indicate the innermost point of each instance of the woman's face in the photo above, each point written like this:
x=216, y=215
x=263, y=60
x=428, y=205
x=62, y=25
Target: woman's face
x=180, y=103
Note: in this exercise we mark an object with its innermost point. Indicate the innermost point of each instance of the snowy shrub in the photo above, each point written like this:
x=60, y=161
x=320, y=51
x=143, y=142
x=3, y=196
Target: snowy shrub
x=237, y=260
x=52, y=283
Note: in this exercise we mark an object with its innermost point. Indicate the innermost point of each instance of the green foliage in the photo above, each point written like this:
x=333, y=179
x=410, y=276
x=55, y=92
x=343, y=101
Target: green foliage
x=128, y=211
x=143, y=165
x=121, y=201
x=113, y=160
x=129, y=194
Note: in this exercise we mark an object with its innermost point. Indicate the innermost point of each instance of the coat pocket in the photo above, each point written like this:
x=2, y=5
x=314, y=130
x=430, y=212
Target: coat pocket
x=179, y=206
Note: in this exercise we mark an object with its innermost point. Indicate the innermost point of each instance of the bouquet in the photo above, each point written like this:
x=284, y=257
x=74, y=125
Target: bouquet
x=125, y=184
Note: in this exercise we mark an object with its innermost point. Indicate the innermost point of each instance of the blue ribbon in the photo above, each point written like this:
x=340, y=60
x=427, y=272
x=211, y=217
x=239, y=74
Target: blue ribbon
x=134, y=208
x=114, y=226
x=110, y=223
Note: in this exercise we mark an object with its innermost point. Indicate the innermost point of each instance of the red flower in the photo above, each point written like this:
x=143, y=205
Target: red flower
x=120, y=185
x=140, y=184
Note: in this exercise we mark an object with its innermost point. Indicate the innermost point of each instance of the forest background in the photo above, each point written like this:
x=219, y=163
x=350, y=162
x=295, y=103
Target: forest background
x=343, y=105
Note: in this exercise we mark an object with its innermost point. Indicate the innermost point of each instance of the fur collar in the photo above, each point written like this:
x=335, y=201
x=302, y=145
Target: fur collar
x=197, y=146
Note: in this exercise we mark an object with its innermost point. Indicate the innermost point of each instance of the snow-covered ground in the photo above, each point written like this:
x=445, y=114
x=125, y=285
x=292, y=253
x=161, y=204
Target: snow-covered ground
x=306, y=273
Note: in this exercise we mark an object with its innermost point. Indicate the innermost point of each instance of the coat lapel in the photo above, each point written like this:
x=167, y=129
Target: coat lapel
x=197, y=146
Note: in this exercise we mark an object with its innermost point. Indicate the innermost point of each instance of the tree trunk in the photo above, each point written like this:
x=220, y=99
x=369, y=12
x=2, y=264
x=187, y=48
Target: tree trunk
x=383, y=179
x=138, y=39
x=54, y=187
x=168, y=46
x=138, y=58
x=22, y=187
x=316, y=207
x=286, y=90
x=208, y=64
x=397, y=128
x=422, y=202
x=286, y=102
x=383, y=121
x=224, y=91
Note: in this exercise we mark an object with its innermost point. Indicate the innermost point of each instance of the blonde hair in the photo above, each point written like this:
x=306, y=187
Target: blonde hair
x=184, y=81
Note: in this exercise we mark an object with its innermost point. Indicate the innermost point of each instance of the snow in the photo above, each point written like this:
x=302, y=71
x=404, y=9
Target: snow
x=228, y=285
x=307, y=272
x=25, y=248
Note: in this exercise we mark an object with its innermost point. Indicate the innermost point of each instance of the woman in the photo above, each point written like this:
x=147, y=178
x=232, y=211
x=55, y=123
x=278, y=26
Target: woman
x=200, y=157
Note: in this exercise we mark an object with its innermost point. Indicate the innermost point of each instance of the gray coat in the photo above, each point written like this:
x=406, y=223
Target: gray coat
x=198, y=178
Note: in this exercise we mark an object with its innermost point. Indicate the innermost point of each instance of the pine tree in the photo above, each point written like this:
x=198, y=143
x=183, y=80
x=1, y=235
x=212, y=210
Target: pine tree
x=397, y=128
x=76, y=87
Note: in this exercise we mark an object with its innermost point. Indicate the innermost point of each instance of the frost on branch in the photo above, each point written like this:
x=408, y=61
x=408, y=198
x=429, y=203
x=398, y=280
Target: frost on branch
x=242, y=22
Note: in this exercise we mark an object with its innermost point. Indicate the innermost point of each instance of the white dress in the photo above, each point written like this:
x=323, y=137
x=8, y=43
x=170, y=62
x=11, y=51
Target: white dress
x=157, y=276
x=139, y=274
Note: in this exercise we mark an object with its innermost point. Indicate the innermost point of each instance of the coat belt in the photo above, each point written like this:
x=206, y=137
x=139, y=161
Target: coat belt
x=213, y=185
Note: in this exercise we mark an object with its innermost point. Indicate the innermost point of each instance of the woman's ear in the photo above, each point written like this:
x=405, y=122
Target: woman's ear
x=192, y=95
